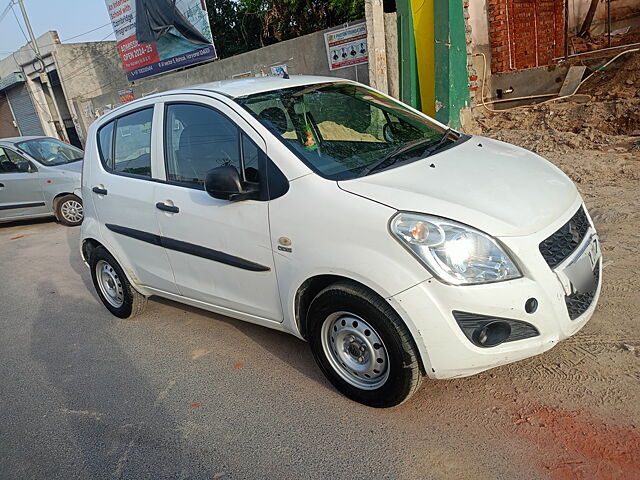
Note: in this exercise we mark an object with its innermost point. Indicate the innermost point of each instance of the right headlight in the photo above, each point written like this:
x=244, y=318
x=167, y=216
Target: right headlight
x=456, y=253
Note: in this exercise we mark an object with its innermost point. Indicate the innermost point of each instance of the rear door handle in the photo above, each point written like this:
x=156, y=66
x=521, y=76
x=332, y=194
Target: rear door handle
x=99, y=191
x=1, y=185
x=167, y=208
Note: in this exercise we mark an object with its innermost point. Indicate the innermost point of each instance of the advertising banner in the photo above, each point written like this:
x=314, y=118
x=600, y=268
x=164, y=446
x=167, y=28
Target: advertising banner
x=347, y=46
x=157, y=36
x=126, y=95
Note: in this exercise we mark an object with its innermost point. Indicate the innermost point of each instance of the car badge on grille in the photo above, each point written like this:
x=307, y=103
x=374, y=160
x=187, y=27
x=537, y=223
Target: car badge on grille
x=575, y=234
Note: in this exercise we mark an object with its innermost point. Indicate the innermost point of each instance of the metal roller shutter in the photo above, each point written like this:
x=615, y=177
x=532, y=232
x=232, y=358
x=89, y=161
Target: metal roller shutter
x=24, y=111
x=7, y=128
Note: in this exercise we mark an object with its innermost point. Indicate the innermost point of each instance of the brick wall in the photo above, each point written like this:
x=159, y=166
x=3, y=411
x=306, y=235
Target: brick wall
x=525, y=33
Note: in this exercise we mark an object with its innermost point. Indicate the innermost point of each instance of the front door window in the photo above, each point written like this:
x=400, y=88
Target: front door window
x=11, y=162
x=199, y=138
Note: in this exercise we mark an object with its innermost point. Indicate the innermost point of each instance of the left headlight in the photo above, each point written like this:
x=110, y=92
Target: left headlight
x=456, y=253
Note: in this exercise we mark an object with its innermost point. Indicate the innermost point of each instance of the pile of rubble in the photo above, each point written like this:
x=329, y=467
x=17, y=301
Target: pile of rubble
x=605, y=116
x=619, y=37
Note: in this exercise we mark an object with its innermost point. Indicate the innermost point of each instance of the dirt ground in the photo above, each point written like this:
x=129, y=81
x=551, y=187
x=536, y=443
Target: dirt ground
x=578, y=404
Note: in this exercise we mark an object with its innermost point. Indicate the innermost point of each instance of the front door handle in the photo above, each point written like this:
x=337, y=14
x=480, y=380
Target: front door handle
x=1, y=185
x=167, y=208
x=99, y=191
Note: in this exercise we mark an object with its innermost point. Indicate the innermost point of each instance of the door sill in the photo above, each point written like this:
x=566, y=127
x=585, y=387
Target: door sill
x=26, y=217
x=228, y=312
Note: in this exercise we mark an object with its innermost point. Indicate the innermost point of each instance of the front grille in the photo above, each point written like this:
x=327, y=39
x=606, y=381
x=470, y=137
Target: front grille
x=565, y=240
x=577, y=303
x=469, y=322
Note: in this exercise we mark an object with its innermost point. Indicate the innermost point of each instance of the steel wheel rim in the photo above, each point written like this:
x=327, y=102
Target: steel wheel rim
x=355, y=350
x=72, y=211
x=110, y=284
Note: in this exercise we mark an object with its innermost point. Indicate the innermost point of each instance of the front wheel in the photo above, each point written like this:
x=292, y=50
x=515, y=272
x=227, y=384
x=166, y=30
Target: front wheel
x=362, y=346
x=69, y=210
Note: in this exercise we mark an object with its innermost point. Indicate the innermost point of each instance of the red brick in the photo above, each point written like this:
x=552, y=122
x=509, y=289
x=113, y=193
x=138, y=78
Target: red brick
x=534, y=28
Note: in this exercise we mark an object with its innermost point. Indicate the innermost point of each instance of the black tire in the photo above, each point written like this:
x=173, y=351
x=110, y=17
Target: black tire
x=133, y=302
x=404, y=374
x=69, y=210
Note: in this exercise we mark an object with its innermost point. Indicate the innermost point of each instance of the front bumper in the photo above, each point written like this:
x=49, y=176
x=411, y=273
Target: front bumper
x=446, y=351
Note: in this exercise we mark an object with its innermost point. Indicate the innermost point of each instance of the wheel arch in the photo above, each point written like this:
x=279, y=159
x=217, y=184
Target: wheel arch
x=310, y=288
x=88, y=246
x=57, y=198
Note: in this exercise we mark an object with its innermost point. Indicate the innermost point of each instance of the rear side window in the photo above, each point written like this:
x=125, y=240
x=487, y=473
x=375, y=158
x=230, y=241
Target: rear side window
x=105, y=144
x=125, y=143
x=132, y=152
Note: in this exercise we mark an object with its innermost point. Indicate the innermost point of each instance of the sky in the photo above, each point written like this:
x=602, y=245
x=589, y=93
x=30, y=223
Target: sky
x=68, y=17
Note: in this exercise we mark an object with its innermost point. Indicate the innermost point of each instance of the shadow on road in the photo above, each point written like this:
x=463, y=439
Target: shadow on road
x=25, y=223
x=76, y=261
x=118, y=420
x=286, y=347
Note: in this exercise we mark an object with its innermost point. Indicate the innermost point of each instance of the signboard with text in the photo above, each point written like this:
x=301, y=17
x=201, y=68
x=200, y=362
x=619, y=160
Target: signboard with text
x=347, y=46
x=158, y=36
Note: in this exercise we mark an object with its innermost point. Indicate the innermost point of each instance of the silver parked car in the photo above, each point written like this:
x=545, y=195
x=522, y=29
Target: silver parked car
x=39, y=177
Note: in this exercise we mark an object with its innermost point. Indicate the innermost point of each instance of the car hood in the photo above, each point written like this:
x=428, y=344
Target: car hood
x=70, y=167
x=498, y=188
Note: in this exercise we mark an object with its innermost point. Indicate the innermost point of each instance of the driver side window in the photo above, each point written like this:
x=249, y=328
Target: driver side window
x=199, y=138
x=11, y=162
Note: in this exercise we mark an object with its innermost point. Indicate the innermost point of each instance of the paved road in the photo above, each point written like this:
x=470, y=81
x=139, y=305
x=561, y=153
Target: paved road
x=182, y=393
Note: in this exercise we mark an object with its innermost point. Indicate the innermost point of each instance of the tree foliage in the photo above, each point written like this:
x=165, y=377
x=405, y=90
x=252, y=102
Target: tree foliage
x=242, y=25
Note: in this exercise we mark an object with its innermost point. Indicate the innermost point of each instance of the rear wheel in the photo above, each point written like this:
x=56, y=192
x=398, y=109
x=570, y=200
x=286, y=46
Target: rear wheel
x=362, y=346
x=113, y=288
x=69, y=210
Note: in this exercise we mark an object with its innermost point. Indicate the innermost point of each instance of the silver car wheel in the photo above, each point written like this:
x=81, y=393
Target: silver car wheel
x=355, y=350
x=72, y=211
x=110, y=284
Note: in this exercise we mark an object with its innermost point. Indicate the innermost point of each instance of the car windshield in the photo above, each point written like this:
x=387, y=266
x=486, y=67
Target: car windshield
x=50, y=151
x=344, y=131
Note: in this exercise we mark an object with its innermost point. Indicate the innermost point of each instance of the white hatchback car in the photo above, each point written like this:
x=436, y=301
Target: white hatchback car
x=320, y=207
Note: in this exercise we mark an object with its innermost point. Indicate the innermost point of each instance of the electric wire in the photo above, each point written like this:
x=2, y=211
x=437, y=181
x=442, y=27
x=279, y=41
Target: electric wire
x=87, y=32
x=484, y=103
x=20, y=26
x=6, y=10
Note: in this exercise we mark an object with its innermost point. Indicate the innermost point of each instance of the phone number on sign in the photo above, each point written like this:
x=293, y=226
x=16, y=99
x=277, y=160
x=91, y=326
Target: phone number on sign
x=137, y=52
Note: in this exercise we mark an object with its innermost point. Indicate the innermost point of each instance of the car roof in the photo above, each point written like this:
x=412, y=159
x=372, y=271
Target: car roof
x=14, y=140
x=248, y=86
x=233, y=88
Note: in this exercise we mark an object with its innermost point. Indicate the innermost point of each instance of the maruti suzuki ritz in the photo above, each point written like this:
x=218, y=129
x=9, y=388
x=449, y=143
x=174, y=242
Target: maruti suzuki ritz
x=320, y=207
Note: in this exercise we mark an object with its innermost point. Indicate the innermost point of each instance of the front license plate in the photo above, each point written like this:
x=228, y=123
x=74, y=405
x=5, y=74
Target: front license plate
x=593, y=252
x=580, y=272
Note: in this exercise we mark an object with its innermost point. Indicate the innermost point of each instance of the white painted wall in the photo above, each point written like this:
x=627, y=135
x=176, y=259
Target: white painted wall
x=479, y=23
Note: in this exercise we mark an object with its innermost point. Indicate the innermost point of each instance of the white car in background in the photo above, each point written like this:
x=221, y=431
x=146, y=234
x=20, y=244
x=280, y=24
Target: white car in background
x=40, y=177
x=320, y=207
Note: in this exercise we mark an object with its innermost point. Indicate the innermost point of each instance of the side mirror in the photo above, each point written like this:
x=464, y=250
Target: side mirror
x=225, y=183
x=25, y=167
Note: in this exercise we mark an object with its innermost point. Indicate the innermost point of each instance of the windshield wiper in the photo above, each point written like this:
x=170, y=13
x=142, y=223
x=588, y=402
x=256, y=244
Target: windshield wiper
x=394, y=154
x=436, y=146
